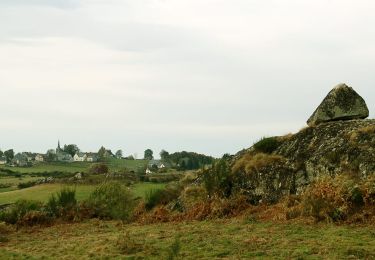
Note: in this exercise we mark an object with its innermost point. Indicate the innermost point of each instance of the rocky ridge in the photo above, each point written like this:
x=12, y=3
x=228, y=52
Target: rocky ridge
x=334, y=147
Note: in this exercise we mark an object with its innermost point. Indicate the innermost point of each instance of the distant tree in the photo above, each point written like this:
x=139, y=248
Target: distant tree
x=119, y=154
x=182, y=165
x=149, y=154
x=1, y=153
x=51, y=155
x=190, y=160
x=101, y=153
x=164, y=155
x=71, y=149
x=9, y=155
x=130, y=157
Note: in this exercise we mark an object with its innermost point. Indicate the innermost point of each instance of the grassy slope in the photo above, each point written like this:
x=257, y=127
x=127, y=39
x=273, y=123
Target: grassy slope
x=230, y=239
x=44, y=191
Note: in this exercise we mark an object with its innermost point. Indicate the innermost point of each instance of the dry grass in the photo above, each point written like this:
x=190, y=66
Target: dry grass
x=253, y=163
x=231, y=239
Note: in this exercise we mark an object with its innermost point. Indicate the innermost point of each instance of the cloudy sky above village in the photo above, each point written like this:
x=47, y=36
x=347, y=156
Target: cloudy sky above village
x=210, y=76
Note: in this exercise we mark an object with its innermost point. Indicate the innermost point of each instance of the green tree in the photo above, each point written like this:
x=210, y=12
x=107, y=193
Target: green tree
x=119, y=154
x=164, y=155
x=71, y=149
x=101, y=153
x=9, y=155
x=1, y=153
x=51, y=155
x=149, y=154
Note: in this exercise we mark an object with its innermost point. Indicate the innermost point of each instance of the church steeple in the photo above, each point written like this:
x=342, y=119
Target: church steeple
x=58, y=146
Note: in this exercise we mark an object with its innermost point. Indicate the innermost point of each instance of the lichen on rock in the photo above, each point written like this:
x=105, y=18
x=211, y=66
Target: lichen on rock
x=341, y=103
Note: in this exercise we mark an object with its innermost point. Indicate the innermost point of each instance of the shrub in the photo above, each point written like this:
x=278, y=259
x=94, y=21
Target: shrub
x=156, y=197
x=34, y=217
x=112, y=200
x=24, y=185
x=192, y=195
x=60, y=204
x=17, y=211
x=5, y=185
x=332, y=199
x=217, y=179
x=99, y=168
x=267, y=145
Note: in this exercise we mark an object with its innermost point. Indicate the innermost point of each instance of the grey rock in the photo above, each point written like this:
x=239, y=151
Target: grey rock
x=341, y=103
x=330, y=149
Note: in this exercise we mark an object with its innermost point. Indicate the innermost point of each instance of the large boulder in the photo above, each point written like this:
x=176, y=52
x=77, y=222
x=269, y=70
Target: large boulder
x=341, y=103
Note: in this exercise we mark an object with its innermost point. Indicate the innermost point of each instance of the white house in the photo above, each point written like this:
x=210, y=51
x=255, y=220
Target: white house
x=80, y=157
x=92, y=157
x=39, y=158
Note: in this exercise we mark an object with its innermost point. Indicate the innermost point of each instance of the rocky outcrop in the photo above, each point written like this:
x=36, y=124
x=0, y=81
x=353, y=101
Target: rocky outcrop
x=340, y=147
x=341, y=103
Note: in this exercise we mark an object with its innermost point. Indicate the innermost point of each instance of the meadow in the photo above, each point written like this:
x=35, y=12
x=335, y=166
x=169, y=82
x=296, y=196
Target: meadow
x=114, y=165
x=43, y=192
x=237, y=238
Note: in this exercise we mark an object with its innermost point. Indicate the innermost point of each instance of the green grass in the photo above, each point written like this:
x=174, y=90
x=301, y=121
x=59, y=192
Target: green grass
x=15, y=181
x=216, y=239
x=113, y=164
x=139, y=189
x=44, y=191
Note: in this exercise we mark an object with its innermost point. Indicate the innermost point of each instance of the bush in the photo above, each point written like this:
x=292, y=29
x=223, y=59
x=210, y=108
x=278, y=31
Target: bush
x=17, y=211
x=192, y=195
x=99, y=168
x=267, y=145
x=5, y=230
x=5, y=185
x=332, y=199
x=63, y=202
x=24, y=185
x=112, y=200
x=217, y=179
x=34, y=217
x=155, y=197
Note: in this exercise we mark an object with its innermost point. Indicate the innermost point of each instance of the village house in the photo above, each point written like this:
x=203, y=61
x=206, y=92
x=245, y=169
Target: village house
x=80, y=157
x=39, y=158
x=20, y=159
x=92, y=157
x=156, y=164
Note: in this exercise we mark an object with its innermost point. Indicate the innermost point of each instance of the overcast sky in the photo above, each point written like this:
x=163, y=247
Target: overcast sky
x=210, y=76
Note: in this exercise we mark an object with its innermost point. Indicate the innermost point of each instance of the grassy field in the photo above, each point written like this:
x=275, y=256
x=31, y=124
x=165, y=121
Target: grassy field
x=15, y=181
x=44, y=191
x=216, y=239
x=113, y=164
